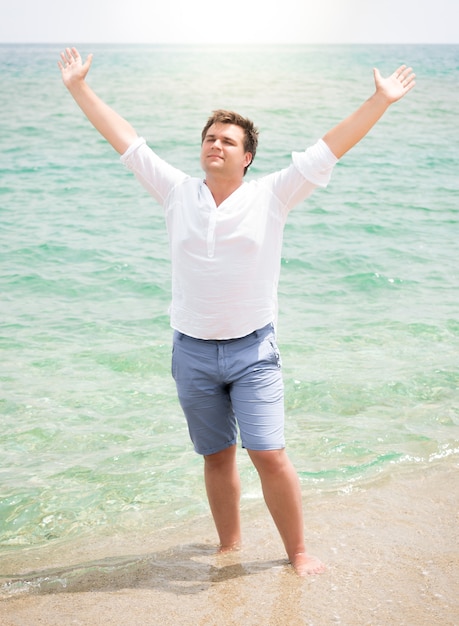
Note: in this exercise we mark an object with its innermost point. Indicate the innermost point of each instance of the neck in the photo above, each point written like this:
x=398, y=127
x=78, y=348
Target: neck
x=221, y=189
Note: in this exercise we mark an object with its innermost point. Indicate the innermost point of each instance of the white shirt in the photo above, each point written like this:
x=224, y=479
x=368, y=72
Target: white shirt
x=226, y=259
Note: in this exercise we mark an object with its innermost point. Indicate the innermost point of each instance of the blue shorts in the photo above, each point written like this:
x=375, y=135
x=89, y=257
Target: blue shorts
x=223, y=385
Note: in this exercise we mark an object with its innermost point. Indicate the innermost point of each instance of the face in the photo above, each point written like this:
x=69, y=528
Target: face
x=223, y=152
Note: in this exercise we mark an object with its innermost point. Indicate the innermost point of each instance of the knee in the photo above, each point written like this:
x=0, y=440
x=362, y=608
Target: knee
x=220, y=460
x=270, y=461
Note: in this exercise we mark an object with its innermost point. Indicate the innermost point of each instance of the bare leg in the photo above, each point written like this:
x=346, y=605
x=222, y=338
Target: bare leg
x=282, y=493
x=223, y=492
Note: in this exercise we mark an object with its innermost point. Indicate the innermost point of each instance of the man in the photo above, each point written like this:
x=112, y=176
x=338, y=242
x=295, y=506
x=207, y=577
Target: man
x=225, y=242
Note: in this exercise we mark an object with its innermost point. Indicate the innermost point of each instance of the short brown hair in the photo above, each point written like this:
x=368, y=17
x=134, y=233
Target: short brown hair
x=221, y=116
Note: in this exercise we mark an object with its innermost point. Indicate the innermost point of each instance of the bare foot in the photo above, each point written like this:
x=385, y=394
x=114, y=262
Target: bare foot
x=234, y=547
x=305, y=565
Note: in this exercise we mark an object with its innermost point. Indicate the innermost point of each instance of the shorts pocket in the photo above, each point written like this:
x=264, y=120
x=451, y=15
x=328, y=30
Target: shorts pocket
x=276, y=353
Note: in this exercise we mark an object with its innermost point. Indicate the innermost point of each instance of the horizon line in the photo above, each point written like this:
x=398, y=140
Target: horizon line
x=238, y=43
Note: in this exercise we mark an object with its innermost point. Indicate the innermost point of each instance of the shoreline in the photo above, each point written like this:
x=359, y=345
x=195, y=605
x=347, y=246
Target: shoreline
x=391, y=553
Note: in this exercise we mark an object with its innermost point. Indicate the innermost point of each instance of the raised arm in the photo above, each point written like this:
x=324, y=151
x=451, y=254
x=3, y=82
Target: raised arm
x=116, y=130
x=351, y=130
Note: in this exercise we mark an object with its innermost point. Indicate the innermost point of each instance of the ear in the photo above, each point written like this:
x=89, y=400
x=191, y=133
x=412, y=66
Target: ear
x=248, y=159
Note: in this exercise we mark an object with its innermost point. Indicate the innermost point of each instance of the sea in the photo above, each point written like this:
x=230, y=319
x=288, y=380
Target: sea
x=93, y=443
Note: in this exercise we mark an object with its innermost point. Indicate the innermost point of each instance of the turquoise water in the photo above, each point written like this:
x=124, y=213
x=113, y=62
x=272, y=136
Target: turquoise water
x=92, y=438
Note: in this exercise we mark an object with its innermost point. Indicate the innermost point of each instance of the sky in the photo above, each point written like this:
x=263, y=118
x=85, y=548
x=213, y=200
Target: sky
x=233, y=21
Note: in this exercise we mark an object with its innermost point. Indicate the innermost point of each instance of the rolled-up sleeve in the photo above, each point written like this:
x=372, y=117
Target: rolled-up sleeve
x=316, y=163
x=157, y=176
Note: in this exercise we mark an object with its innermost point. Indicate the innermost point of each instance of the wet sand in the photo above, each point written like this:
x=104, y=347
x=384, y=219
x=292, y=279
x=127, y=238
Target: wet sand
x=391, y=551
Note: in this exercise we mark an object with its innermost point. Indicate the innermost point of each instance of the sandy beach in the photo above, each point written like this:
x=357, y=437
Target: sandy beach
x=391, y=552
